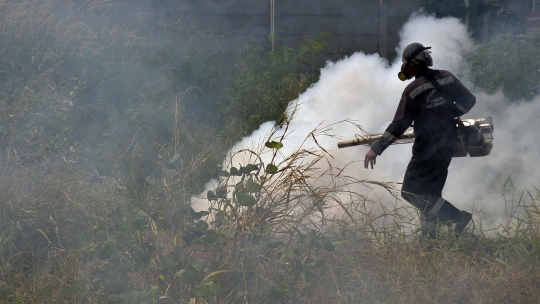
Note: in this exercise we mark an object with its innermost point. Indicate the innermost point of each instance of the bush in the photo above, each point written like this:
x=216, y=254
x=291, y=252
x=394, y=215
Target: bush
x=508, y=63
x=264, y=85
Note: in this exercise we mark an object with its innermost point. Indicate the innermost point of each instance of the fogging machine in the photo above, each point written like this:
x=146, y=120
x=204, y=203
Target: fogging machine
x=475, y=138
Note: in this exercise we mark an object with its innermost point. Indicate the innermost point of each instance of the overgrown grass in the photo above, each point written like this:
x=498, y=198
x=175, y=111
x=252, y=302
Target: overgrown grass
x=280, y=228
x=106, y=137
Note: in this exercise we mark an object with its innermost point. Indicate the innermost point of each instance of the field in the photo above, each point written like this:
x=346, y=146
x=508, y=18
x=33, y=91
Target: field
x=107, y=131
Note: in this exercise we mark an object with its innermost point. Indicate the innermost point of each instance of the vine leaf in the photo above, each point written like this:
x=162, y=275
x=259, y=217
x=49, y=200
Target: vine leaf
x=273, y=145
x=271, y=169
x=245, y=200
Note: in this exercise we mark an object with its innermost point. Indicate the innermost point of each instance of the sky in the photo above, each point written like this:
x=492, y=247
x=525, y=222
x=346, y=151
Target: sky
x=365, y=88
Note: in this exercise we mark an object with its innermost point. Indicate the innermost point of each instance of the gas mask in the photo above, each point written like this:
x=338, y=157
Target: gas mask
x=402, y=75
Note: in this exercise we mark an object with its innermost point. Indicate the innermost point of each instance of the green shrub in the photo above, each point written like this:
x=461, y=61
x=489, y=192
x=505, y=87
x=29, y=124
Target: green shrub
x=264, y=84
x=508, y=63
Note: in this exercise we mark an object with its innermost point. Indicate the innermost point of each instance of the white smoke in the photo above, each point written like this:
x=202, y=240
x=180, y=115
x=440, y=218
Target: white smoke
x=366, y=89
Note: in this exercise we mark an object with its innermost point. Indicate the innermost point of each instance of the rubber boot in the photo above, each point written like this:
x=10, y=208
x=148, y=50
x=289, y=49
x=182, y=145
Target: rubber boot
x=428, y=232
x=461, y=222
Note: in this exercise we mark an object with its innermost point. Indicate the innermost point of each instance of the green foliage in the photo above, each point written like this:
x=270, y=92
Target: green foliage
x=246, y=223
x=271, y=169
x=508, y=63
x=265, y=84
x=274, y=145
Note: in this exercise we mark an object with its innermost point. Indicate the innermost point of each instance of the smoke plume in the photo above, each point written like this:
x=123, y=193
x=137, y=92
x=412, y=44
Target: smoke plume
x=365, y=88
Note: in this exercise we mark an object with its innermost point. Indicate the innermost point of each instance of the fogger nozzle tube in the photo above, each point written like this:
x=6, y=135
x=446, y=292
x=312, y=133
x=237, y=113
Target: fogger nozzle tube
x=476, y=138
x=365, y=140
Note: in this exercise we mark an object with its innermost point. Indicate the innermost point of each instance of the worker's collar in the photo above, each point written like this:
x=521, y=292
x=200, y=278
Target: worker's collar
x=426, y=71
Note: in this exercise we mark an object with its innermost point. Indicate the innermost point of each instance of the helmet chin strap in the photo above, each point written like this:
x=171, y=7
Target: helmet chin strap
x=403, y=75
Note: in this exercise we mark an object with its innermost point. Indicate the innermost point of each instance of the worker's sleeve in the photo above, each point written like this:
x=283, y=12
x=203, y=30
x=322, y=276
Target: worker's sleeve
x=463, y=98
x=402, y=120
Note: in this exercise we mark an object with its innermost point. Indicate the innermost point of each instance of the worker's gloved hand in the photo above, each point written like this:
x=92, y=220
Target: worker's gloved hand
x=371, y=158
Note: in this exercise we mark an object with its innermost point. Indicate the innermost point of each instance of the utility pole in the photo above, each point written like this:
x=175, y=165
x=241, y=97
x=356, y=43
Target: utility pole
x=485, y=24
x=272, y=23
x=383, y=29
x=467, y=13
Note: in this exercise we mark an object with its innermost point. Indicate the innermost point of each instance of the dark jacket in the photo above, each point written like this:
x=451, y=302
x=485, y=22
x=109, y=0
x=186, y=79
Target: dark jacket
x=432, y=108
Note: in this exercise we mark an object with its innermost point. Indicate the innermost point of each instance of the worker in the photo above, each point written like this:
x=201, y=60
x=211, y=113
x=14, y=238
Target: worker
x=432, y=103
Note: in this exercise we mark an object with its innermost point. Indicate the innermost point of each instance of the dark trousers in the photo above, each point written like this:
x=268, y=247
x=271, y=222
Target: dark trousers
x=423, y=184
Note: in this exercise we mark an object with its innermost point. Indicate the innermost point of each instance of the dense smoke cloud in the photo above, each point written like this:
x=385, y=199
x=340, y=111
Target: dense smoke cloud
x=365, y=88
